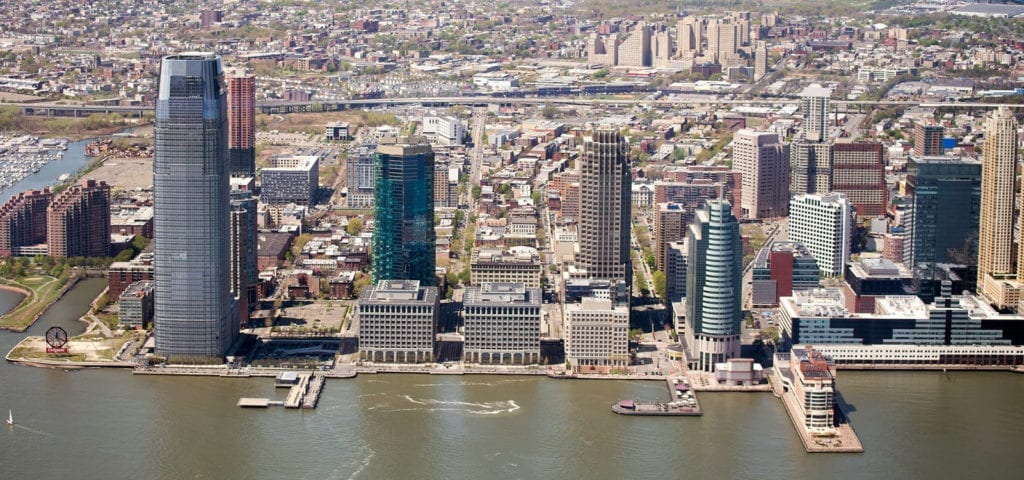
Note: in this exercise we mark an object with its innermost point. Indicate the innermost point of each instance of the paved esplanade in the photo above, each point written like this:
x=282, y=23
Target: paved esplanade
x=194, y=309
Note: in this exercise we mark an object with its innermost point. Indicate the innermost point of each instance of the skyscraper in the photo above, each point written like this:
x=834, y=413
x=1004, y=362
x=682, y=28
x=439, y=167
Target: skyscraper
x=824, y=224
x=815, y=107
x=243, y=251
x=605, y=189
x=403, y=207
x=669, y=226
x=242, y=122
x=714, y=272
x=858, y=170
x=998, y=275
x=927, y=139
x=78, y=221
x=947, y=200
x=195, y=312
x=763, y=164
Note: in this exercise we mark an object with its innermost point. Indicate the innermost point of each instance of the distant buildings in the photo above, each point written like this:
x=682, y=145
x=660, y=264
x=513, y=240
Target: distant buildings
x=763, y=163
x=359, y=172
x=605, y=207
x=78, y=221
x=194, y=311
x=814, y=101
x=824, y=224
x=811, y=154
x=713, y=287
x=242, y=122
x=290, y=179
x=444, y=130
x=927, y=139
x=999, y=273
x=596, y=334
x=338, y=131
x=403, y=234
x=502, y=324
x=397, y=321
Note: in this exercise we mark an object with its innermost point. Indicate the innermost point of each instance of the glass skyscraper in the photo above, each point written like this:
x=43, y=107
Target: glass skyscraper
x=195, y=312
x=403, y=211
x=947, y=201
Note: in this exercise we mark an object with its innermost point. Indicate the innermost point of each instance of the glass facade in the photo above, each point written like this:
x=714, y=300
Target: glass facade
x=947, y=201
x=194, y=309
x=403, y=232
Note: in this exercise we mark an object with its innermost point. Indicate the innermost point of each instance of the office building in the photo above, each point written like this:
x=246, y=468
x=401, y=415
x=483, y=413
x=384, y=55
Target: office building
x=243, y=252
x=78, y=221
x=810, y=167
x=859, y=172
x=713, y=287
x=242, y=122
x=195, y=314
x=338, y=131
x=605, y=206
x=824, y=224
x=763, y=163
x=23, y=221
x=999, y=273
x=444, y=130
x=809, y=378
x=814, y=104
x=596, y=335
x=502, y=324
x=135, y=305
x=946, y=206
x=670, y=223
x=675, y=271
x=869, y=279
x=290, y=179
x=781, y=268
x=927, y=139
x=403, y=207
x=397, y=322
x=515, y=265
x=359, y=172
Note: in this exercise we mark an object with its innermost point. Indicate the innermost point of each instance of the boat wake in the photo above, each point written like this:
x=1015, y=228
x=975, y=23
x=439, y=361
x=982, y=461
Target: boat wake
x=470, y=383
x=366, y=454
x=32, y=430
x=485, y=408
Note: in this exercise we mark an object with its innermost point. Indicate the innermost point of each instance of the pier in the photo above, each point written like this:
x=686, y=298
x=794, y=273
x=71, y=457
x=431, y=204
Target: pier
x=682, y=402
x=305, y=393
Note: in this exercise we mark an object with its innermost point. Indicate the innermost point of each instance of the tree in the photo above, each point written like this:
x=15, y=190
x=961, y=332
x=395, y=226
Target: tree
x=550, y=111
x=355, y=226
x=660, y=285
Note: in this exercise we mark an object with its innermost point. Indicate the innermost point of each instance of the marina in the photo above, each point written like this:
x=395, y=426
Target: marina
x=24, y=155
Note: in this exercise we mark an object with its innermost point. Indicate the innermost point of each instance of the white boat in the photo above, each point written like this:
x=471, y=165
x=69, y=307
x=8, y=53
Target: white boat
x=10, y=418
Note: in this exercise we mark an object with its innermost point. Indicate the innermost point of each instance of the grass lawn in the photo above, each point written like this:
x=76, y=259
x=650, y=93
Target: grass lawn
x=43, y=291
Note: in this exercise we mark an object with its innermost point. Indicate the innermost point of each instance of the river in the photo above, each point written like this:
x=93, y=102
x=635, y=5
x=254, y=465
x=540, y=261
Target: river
x=73, y=160
x=101, y=424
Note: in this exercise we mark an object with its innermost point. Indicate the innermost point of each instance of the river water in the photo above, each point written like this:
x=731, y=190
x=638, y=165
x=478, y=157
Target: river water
x=73, y=160
x=102, y=424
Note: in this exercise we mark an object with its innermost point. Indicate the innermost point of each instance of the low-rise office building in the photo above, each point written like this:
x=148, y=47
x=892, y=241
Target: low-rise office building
x=810, y=377
x=515, y=265
x=397, y=321
x=596, y=334
x=502, y=324
x=291, y=179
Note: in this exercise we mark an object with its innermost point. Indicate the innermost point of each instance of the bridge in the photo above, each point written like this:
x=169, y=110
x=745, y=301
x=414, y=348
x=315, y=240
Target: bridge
x=696, y=98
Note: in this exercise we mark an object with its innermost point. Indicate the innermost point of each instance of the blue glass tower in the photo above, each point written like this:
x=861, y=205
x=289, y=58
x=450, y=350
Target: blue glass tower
x=195, y=313
x=403, y=211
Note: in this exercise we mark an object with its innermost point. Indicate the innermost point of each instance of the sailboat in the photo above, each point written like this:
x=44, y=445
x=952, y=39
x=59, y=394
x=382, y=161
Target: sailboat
x=10, y=418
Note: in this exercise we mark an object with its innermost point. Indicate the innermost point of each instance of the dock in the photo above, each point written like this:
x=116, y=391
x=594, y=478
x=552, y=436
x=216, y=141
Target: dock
x=316, y=385
x=258, y=402
x=682, y=402
x=305, y=393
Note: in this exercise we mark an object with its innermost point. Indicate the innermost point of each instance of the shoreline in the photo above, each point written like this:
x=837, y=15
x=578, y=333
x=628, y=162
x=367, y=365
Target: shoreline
x=72, y=281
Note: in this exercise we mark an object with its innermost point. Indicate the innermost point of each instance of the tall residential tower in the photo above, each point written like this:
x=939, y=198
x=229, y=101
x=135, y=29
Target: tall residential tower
x=242, y=123
x=999, y=274
x=605, y=207
x=403, y=211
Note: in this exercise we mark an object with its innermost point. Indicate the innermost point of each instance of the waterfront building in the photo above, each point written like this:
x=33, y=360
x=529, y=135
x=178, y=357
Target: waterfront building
x=763, y=163
x=823, y=224
x=713, y=286
x=242, y=122
x=669, y=226
x=999, y=273
x=403, y=233
x=858, y=171
x=502, y=324
x=605, y=206
x=946, y=206
x=243, y=252
x=359, y=172
x=78, y=221
x=515, y=265
x=927, y=139
x=596, y=334
x=23, y=221
x=397, y=322
x=781, y=268
x=194, y=311
x=809, y=377
x=135, y=305
x=290, y=179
